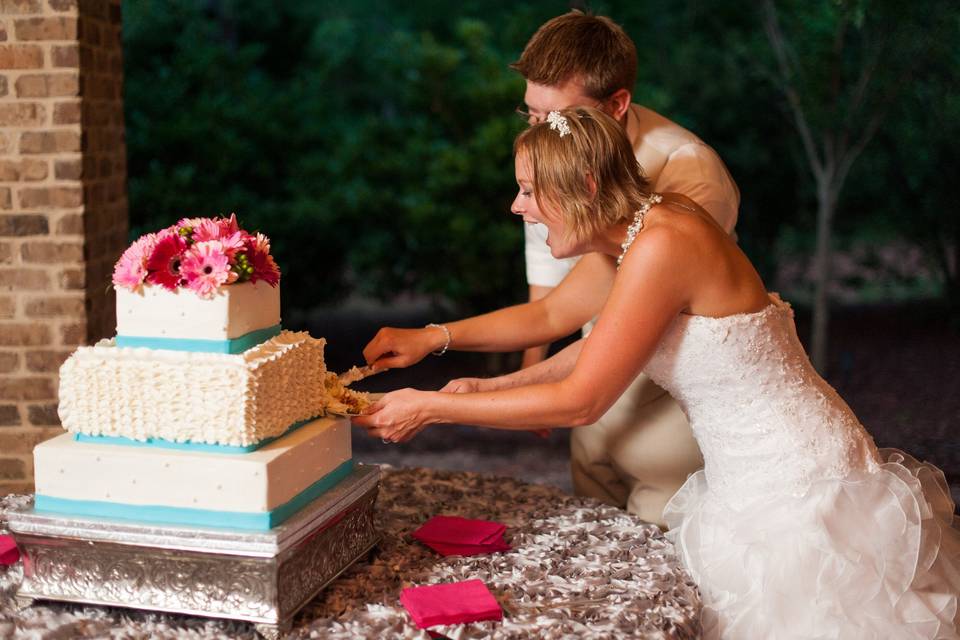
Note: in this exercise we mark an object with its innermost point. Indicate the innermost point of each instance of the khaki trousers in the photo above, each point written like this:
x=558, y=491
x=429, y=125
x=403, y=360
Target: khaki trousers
x=638, y=454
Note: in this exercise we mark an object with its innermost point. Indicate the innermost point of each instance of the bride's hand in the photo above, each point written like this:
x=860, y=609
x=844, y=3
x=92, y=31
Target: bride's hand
x=397, y=348
x=398, y=416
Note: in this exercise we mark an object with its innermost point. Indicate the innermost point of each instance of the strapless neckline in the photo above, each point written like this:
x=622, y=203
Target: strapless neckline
x=776, y=303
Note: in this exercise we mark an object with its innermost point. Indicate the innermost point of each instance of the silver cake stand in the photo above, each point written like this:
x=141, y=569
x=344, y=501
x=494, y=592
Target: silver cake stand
x=263, y=577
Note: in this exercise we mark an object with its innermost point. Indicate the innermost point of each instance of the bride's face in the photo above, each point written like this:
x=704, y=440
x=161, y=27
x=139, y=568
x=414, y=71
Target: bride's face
x=562, y=244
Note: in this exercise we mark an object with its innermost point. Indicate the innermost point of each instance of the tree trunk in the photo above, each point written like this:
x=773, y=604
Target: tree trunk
x=826, y=202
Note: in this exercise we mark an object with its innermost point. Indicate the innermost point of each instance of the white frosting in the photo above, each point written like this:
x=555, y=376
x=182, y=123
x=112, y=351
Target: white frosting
x=253, y=482
x=235, y=310
x=183, y=396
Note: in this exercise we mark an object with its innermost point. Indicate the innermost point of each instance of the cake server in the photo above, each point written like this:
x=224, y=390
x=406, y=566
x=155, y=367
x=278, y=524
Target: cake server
x=355, y=374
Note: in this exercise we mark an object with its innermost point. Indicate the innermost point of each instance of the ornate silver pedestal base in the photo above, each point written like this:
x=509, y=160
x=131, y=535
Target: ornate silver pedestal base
x=262, y=577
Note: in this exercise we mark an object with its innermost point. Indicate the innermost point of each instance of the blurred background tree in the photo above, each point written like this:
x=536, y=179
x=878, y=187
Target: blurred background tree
x=372, y=139
x=840, y=67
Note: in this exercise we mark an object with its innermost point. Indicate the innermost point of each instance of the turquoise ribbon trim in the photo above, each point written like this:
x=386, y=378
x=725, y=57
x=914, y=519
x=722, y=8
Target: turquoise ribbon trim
x=260, y=521
x=232, y=346
x=205, y=447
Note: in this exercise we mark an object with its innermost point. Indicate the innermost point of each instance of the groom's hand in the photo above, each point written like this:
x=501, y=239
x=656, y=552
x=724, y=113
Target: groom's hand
x=397, y=348
x=465, y=385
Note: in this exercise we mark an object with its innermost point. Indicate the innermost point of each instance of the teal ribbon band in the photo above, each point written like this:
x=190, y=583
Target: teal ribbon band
x=260, y=521
x=232, y=346
x=205, y=447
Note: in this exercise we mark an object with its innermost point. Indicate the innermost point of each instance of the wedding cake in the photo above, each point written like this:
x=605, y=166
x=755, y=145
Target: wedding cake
x=202, y=410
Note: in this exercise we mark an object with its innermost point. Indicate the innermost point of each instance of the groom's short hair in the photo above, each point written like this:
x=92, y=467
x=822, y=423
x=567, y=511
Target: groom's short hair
x=593, y=50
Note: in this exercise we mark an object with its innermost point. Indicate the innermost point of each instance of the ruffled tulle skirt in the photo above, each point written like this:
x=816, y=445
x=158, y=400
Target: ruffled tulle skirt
x=872, y=555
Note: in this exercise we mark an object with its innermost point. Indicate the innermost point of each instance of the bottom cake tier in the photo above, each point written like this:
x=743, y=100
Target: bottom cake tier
x=257, y=490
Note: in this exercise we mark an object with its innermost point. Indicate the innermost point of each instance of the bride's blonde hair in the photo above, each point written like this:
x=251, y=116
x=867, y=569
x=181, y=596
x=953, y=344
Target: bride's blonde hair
x=562, y=155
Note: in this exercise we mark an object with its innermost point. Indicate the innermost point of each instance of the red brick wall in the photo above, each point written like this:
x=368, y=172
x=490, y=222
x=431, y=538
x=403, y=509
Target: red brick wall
x=63, y=207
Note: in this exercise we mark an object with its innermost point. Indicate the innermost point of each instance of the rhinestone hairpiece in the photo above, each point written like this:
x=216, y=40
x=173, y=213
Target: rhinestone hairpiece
x=558, y=123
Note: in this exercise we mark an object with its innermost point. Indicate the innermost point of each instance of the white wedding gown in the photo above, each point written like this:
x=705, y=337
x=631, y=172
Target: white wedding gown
x=798, y=527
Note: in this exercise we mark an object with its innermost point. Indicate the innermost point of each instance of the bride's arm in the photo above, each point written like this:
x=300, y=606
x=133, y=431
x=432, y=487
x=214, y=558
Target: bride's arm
x=570, y=305
x=650, y=290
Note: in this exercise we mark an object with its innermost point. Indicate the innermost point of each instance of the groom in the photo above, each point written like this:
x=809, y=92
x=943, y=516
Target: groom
x=642, y=450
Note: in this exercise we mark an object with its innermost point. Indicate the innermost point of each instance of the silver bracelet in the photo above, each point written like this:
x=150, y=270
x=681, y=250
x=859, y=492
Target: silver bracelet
x=446, y=345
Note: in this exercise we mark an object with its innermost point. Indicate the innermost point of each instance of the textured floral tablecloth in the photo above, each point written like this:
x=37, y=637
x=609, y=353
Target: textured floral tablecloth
x=577, y=569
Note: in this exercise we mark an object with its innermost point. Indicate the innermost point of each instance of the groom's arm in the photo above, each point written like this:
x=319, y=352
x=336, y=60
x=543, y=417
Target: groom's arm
x=544, y=272
x=536, y=354
x=553, y=369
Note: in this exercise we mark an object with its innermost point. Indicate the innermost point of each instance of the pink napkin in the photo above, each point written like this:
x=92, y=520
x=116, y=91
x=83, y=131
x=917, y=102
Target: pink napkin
x=451, y=603
x=452, y=535
x=9, y=554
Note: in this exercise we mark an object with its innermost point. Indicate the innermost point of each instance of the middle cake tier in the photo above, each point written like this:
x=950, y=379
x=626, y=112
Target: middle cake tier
x=152, y=395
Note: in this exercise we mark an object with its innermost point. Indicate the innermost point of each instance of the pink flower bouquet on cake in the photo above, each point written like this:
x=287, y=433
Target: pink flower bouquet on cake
x=200, y=254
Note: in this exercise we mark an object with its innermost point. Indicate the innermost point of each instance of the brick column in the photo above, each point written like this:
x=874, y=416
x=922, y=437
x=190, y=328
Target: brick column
x=63, y=207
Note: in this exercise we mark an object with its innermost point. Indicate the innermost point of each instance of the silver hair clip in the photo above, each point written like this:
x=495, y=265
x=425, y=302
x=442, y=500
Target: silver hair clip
x=558, y=123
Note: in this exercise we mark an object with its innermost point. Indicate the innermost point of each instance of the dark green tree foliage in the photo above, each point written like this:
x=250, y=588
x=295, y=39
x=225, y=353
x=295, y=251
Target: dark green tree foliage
x=918, y=190
x=372, y=139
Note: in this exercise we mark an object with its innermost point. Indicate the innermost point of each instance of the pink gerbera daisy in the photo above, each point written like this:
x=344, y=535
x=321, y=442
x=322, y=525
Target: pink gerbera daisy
x=190, y=223
x=131, y=269
x=223, y=229
x=233, y=243
x=164, y=261
x=264, y=266
x=206, y=267
x=228, y=226
x=208, y=229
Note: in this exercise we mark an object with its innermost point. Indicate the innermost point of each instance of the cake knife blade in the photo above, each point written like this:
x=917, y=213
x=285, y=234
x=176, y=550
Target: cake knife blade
x=355, y=374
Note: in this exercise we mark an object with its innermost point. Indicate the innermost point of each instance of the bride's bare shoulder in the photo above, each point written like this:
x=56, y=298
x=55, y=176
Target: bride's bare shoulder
x=659, y=245
x=685, y=218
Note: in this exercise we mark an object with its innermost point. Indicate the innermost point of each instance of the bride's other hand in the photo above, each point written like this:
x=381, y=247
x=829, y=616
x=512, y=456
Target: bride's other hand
x=397, y=348
x=398, y=416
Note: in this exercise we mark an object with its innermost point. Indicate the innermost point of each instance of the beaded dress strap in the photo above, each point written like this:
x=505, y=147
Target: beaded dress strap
x=637, y=225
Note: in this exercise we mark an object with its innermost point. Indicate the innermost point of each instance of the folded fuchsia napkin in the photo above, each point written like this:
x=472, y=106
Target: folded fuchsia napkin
x=9, y=553
x=457, y=530
x=450, y=603
x=453, y=535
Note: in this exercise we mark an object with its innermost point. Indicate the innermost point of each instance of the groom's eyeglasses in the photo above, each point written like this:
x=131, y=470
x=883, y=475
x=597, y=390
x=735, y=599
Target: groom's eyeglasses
x=528, y=117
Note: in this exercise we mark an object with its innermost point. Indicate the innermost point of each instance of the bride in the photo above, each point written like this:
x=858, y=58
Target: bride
x=798, y=526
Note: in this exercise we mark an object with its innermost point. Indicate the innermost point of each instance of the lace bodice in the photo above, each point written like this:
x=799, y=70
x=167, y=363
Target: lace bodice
x=764, y=419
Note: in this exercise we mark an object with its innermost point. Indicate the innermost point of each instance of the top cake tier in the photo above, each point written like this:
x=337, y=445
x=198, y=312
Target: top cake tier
x=202, y=284
x=236, y=318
